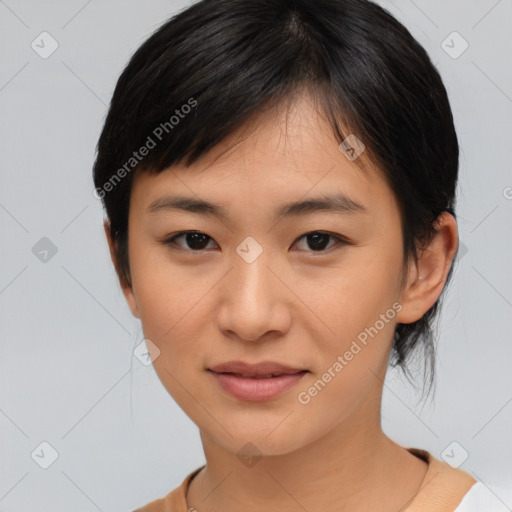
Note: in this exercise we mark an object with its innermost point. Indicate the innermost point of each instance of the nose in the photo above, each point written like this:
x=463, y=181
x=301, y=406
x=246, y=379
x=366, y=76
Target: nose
x=255, y=301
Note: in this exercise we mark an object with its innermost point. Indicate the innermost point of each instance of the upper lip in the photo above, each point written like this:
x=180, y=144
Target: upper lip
x=252, y=370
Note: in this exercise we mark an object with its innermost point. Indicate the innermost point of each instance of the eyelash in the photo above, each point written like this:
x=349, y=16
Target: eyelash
x=340, y=241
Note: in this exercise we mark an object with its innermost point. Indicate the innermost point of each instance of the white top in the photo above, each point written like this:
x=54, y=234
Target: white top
x=481, y=498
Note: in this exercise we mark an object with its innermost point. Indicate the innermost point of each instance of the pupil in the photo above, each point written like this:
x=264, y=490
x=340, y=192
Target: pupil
x=194, y=240
x=316, y=245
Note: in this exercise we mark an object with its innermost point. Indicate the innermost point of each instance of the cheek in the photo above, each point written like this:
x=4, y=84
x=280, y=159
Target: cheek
x=354, y=358
x=352, y=297
x=171, y=314
x=359, y=305
x=159, y=292
x=175, y=310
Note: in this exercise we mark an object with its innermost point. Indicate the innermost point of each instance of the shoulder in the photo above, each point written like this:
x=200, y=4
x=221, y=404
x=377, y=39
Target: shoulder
x=175, y=501
x=449, y=489
x=443, y=487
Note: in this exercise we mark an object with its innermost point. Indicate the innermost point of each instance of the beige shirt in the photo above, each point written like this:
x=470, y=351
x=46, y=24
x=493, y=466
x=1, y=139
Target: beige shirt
x=442, y=489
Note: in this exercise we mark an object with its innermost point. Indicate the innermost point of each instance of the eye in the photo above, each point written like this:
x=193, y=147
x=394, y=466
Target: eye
x=319, y=240
x=196, y=241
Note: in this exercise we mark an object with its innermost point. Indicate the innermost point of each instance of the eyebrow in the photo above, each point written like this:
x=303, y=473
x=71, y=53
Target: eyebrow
x=337, y=203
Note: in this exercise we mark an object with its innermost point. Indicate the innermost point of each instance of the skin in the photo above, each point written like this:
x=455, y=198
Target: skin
x=292, y=304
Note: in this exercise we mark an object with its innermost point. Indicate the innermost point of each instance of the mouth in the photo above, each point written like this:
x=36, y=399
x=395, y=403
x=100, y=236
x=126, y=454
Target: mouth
x=259, y=387
x=264, y=369
x=264, y=376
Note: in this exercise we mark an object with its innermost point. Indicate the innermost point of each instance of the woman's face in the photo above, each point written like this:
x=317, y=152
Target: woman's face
x=255, y=288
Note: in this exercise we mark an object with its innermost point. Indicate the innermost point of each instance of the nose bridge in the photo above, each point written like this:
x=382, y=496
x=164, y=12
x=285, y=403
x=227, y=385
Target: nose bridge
x=253, y=279
x=253, y=297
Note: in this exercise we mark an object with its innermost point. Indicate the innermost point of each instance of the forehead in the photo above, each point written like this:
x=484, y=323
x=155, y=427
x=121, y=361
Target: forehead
x=284, y=153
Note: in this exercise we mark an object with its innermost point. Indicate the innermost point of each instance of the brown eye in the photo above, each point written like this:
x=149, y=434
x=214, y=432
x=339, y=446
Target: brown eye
x=317, y=241
x=193, y=240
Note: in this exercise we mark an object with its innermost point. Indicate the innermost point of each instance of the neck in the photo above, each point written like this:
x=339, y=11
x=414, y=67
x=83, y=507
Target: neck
x=352, y=467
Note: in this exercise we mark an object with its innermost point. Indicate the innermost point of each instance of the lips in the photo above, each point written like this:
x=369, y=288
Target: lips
x=262, y=370
x=266, y=376
x=256, y=382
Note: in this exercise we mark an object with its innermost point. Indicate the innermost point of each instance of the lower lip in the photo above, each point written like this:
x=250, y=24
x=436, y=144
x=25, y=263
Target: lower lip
x=255, y=390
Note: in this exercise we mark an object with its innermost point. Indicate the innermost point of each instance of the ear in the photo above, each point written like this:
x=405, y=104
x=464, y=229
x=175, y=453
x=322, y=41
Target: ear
x=427, y=277
x=125, y=287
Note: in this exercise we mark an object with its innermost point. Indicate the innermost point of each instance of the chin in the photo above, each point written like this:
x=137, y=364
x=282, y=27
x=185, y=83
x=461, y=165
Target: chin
x=261, y=441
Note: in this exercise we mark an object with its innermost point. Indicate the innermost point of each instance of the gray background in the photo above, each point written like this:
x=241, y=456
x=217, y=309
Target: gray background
x=67, y=371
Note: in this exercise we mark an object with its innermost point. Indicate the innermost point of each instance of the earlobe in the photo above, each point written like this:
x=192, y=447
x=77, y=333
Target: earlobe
x=125, y=287
x=427, y=276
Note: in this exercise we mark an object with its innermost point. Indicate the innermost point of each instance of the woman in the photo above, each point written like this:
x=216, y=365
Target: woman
x=279, y=181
